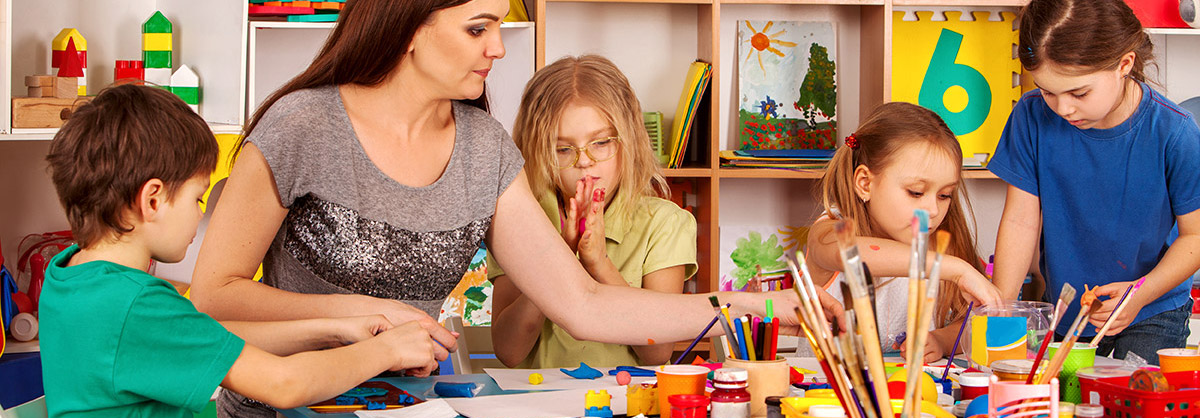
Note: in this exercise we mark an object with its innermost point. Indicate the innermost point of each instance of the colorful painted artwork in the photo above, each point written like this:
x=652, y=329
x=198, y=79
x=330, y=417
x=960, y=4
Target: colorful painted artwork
x=471, y=299
x=787, y=83
x=747, y=250
x=1004, y=338
x=962, y=68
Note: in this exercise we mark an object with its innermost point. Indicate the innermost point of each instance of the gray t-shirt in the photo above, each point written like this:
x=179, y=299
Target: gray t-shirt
x=352, y=229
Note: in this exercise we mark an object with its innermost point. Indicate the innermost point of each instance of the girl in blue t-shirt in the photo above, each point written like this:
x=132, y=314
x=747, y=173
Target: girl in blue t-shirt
x=1101, y=169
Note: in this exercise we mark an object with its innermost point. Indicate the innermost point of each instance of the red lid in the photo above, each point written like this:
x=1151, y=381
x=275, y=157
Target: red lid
x=688, y=401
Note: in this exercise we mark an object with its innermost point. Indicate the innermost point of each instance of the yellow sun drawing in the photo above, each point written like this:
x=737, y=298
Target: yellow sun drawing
x=762, y=42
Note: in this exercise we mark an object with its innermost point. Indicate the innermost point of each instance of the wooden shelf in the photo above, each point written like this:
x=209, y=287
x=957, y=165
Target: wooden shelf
x=960, y=3
x=687, y=172
x=635, y=1
x=768, y=173
x=813, y=2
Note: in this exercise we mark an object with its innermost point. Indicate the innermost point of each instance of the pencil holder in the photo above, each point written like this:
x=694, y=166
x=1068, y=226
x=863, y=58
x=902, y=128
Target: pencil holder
x=1019, y=400
x=1081, y=356
x=767, y=378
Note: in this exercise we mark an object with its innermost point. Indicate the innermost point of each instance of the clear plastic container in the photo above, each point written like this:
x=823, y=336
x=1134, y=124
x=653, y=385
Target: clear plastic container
x=1016, y=331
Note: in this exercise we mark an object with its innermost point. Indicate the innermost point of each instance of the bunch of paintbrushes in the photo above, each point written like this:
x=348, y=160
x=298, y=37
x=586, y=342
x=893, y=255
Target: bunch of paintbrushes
x=746, y=338
x=825, y=342
x=1087, y=307
x=922, y=296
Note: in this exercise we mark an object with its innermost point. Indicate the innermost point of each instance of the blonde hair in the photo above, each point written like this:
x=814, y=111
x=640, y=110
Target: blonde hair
x=889, y=128
x=591, y=80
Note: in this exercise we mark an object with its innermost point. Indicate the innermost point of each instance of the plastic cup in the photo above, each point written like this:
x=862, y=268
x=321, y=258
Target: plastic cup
x=1081, y=356
x=1178, y=360
x=767, y=378
x=679, y=379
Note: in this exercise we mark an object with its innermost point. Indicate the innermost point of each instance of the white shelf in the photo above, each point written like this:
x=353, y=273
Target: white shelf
x=46, y=134
x=1173, y=31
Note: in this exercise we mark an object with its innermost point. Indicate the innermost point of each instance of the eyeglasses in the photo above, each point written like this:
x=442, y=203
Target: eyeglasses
x=602, y=149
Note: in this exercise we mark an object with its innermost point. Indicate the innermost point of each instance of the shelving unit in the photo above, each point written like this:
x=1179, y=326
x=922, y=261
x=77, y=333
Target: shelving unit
x=652, y=43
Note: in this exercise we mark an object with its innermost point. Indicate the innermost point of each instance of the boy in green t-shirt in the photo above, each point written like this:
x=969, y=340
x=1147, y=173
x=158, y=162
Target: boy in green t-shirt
x=130, y=168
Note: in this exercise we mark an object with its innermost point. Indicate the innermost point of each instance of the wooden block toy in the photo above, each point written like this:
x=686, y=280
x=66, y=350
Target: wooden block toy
x=156, y=42
x=70, y=48
x=51, y=86
x=44, y=112
x=158, y=77
x=186, y=84
x=327, y=6
x=264, y=11
x=128, y=69
x=297, y=3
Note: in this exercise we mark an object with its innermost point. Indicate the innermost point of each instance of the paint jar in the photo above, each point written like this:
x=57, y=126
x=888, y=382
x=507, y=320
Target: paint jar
x=1066, y=410
x=826, y=411
x=1081, y=355
x=766, y=378
x=688, y=406
x=1013, y=330
x=775, y=406
x=730, y=399
x=974, y=384
x=679, y=379
x=1013, y=370
x=1178, y=360
x=1089, y=410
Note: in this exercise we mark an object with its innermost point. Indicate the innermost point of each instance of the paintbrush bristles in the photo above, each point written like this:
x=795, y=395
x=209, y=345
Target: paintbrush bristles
x=943, y=241
x=713, y=301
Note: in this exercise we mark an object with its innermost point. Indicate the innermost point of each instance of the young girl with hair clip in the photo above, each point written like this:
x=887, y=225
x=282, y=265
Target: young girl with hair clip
x=902, y=158
x=590, y=164
x=1101, y=170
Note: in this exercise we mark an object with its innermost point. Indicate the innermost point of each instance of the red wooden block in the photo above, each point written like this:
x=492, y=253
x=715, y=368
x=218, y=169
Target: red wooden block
x=129, y=69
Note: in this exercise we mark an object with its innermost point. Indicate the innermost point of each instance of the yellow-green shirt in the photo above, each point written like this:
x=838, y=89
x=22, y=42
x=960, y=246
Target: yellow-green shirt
x=656, y=235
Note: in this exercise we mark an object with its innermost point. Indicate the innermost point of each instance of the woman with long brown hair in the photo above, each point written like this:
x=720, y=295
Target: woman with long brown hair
x=366, y=184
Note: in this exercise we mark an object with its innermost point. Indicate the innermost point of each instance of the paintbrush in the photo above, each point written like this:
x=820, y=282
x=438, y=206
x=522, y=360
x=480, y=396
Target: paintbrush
x=916, y=271
x=1060, y=309
x=832, y=374
x=852, y=266
x=926, y=317
x=954, y=350
x=1060, y=356
x=1116, y=311
x=716, y=317
x=816, y=328
x=854, y=366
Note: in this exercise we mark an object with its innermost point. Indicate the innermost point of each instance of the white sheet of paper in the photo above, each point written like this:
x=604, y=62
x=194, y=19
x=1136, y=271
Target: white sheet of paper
x=554, y=379
x=553, y=404
x=432, y=408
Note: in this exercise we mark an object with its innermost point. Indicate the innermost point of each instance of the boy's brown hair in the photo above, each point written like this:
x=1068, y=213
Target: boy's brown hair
x=111, y=146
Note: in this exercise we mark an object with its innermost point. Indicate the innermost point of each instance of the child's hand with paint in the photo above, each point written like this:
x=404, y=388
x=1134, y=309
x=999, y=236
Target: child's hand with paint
x=974, y=285
x=575, y=212
x=592, y=252
x=1125, y=315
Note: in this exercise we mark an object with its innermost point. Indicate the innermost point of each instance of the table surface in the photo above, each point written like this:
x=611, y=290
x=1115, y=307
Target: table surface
x=417, y=386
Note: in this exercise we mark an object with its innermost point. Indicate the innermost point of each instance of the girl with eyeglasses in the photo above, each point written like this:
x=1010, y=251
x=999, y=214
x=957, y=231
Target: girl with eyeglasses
x=589, y=163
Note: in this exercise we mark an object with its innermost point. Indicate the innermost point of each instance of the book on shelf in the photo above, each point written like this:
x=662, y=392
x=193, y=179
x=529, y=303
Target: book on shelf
x=694, y=86
x=796, y=159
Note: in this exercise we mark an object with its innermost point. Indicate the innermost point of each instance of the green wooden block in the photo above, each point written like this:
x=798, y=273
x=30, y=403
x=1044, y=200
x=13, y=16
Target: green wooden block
x=156, y=59
x=190, y=95
x=157, y=24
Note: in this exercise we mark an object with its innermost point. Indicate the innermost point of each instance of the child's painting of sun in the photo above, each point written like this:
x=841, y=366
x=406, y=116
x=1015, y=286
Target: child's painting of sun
x=787, y=85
